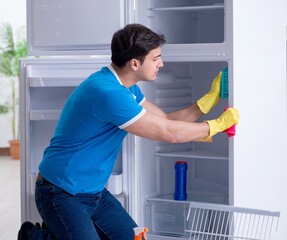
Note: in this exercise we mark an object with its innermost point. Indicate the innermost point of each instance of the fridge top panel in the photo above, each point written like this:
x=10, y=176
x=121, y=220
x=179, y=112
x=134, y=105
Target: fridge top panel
x=65, y=27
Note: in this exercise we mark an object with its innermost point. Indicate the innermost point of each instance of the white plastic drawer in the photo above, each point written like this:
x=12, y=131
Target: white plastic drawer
x=166, y=216
x=202, y=220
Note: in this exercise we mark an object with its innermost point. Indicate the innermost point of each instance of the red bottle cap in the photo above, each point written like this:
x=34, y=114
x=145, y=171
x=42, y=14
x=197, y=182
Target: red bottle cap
x=181, y=162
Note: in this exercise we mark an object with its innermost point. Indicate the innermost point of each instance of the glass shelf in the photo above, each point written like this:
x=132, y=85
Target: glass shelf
x=195, y=154
x=190, y=8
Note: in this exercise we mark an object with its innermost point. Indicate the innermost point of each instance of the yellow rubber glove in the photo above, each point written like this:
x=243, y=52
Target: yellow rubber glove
x=210, y=99
x=225, y=121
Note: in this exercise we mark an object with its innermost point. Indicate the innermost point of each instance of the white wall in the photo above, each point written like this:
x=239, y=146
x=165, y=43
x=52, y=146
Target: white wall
x=14, y=12
x=260, y=95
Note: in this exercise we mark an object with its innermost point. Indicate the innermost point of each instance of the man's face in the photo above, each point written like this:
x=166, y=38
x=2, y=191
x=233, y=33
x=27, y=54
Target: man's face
x=150, y=67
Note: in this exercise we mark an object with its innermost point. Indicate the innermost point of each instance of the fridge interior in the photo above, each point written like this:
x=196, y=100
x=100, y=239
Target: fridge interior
x=178, y=85
x=208, y=211
x=198, y=32
x=184, y=21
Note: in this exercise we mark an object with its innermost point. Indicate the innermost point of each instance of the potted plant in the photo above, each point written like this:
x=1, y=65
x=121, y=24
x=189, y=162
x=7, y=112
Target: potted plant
x=11, y=51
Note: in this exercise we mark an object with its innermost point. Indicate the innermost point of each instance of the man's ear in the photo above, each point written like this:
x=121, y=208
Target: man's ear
x=134, y=64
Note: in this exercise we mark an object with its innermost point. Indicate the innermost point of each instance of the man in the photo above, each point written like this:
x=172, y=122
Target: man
x=70, y=193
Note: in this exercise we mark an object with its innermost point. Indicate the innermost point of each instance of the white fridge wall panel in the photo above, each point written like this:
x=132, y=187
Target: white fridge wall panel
x=65, y=27
x=259, y=70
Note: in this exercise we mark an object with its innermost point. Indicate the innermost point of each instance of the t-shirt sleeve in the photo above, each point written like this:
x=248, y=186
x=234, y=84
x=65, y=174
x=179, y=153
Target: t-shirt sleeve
x=121, y=108
x=138, y=94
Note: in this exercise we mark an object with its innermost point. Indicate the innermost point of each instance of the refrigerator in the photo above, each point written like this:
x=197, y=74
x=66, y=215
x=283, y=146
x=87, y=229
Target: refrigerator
x=236, y=186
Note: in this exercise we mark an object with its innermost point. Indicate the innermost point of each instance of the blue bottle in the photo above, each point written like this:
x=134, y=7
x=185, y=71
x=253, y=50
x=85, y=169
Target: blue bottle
x=180, y=180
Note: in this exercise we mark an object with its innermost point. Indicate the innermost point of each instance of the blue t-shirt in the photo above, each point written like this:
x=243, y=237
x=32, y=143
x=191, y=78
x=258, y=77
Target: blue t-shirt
x=89, y=134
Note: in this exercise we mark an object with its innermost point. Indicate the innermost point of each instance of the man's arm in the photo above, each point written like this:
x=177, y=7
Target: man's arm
x=193, y=112
x=159, y=128
x=188, y=114
x=178, y=127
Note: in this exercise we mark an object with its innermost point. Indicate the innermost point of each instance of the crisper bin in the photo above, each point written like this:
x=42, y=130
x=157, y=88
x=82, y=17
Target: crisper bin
x=166, y=216
x=222, y=222
x=198, y=220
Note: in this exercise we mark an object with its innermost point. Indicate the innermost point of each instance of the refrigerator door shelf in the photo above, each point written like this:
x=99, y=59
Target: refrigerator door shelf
x=32, y=178
x=38, y=115
x=115, y=184
x=54, y=81
x=60, y=72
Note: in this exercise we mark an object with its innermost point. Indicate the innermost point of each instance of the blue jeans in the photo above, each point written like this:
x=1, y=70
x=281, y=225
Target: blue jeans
x=82, y=216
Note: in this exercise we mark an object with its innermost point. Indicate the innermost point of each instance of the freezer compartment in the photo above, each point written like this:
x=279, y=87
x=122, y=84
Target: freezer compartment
x=172, y=218
x=186, y=22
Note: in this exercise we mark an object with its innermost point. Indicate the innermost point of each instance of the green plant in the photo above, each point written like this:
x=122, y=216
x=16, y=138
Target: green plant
x=4, y=108
x=10, y=53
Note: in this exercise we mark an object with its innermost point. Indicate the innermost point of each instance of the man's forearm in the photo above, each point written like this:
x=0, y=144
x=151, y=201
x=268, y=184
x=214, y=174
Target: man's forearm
x=188, y=114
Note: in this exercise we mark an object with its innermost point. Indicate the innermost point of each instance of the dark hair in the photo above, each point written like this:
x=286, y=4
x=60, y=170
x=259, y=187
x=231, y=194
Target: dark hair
x=134, y=41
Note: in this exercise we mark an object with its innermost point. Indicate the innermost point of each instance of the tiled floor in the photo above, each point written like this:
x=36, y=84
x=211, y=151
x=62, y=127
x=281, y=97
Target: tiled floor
x=9, y=198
